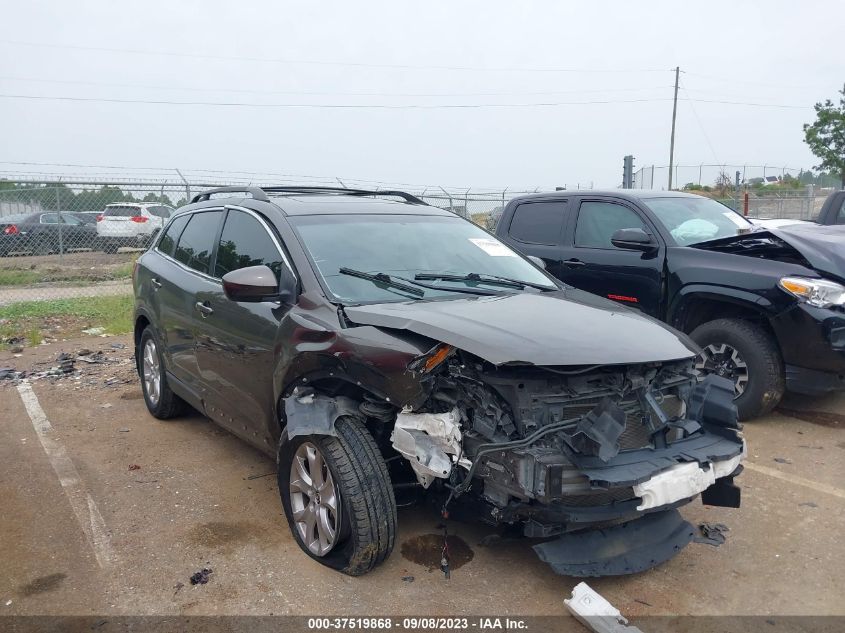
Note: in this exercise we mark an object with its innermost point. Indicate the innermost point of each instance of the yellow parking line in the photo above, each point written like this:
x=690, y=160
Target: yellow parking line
x=794, y=479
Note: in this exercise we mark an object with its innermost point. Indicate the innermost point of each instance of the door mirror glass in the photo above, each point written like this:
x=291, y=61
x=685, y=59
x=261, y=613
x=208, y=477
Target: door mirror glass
x=253, y=284
x=633, y=239
x=537, y=261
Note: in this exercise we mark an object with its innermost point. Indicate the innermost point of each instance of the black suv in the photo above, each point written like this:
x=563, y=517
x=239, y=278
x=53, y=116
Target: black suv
x=369, y=341
x=766, y=305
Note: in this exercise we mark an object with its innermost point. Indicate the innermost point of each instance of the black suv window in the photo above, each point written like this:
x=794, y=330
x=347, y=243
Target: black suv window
x=245, y=242
x=538, y=222
x=598, y=221
x=171, y=236
x=161, y=212
x=197, y=240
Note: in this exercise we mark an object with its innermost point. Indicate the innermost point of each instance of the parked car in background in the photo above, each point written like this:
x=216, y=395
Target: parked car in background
x=833, y=209
x=88, y=217
x=767, y=306
x=133, y=224
x=45, y=233
x=366, y=342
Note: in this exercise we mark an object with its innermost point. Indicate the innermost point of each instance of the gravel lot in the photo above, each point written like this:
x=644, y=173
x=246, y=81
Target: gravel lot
x=143, y=504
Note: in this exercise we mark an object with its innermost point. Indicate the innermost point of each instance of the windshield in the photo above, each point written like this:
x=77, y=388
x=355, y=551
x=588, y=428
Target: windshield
x=404, y=246
x=694, y=220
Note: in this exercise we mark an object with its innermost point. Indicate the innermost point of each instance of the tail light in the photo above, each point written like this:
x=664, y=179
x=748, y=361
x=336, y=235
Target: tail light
x=100, y=218
x=140, y=219
x=11, y=230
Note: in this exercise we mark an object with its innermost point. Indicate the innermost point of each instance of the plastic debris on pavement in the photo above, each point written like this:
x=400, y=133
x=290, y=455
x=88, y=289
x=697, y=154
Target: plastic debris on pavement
x=596, y=613
x=711, y=533
x=201, y=577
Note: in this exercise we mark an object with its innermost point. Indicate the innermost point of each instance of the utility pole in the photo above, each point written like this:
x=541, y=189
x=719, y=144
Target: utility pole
x=674, y=114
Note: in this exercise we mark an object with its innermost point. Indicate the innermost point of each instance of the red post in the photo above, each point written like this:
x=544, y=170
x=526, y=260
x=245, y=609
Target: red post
x=745, y=204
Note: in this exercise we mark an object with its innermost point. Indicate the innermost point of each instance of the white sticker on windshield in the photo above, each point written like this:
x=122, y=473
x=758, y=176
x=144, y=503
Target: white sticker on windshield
x=492, y=247
x=736, y=219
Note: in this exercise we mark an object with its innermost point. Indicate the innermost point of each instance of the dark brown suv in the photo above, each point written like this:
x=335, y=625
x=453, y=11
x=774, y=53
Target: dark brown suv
x=371, y=342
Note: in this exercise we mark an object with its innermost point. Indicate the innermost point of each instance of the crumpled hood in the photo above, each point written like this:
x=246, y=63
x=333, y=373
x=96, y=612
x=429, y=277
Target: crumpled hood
x=569, y=327
x=822, y=246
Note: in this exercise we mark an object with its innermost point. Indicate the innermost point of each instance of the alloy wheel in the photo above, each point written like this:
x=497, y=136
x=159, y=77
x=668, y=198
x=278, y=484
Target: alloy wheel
x=725, y=361
x=315, y=501
x=152, y=372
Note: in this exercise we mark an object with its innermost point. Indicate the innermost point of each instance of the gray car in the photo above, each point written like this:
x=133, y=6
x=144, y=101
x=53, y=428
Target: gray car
x=374, y=344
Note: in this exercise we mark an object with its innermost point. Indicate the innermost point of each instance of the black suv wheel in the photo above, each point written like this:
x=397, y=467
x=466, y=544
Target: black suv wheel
x=160, y=399
x=745, y=353
x=338, y=498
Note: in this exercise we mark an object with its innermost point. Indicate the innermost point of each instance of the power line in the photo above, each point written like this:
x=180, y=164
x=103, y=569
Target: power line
x=329, y=105
x=276, y=60
x=321, y=93
x=232, y=104
x=700, y=124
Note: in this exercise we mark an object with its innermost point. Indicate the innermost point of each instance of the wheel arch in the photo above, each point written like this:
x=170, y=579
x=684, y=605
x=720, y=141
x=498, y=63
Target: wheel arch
x=698, y=305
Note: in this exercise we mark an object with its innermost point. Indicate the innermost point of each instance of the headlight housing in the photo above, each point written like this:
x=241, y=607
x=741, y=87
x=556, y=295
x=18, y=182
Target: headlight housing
x=820, y=293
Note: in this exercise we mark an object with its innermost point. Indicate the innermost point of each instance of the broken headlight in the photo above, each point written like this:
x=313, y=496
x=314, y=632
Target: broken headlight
x=820, y=293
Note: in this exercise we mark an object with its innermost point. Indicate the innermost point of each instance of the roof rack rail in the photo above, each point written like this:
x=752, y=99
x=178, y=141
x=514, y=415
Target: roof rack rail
x=343, y=190
x=255, y=192
x=260, y=193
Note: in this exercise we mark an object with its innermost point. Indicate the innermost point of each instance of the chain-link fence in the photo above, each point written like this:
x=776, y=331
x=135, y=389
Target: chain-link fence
x=63, y=241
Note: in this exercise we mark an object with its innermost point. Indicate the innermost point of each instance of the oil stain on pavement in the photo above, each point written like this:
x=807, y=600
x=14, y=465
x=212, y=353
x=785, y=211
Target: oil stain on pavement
x=42, y=585
x=426, y=550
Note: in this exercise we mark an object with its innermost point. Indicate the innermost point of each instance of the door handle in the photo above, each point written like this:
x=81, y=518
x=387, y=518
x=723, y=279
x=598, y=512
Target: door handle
x=574, y=263
x=155, y=283
x=204, y=308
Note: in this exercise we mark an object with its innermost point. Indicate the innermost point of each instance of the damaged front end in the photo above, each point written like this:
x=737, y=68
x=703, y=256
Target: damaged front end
x=598, y=456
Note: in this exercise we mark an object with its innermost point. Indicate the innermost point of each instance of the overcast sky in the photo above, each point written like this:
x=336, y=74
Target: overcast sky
x=414, y=54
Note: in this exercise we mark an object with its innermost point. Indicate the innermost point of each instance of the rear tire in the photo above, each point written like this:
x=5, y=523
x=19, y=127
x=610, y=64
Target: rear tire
x=754, y=347
x=161, y=402
x=366, y=531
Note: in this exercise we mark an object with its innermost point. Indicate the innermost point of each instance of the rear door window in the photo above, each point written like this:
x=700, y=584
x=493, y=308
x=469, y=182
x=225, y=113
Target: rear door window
x=171, y=236
x=840, y=218
x=598, y=221
x=196, y=243
x=245, y=242
x=538, y=222
x=121, y=212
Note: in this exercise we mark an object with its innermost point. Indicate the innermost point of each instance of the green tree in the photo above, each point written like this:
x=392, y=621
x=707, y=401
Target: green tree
x=826, y=137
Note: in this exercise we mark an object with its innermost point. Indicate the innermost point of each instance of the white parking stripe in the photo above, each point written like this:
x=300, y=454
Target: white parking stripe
x=794, y=479
x=83, y=505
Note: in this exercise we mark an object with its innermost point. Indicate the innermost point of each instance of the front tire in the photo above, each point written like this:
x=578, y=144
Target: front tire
x=352, y=526
x=161, y=402
x=747, y=354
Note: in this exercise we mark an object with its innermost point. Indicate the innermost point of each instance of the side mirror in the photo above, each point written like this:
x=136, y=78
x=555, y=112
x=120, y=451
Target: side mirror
x=255, y=284
x=537, y=261
x=633, y=240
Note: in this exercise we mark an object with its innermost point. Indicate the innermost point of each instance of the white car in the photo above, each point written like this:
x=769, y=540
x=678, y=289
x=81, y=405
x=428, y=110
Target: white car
x=132, y=224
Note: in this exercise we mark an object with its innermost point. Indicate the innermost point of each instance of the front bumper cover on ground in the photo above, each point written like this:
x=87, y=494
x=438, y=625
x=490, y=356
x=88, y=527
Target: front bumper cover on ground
x=627, y=548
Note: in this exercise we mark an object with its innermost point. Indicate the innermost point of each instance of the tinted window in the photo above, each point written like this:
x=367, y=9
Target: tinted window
x=121, y=212
x=598, y=221
x=197, y=240
x=171, y=236
x=840, y=218
x=53, y=218
x=245, y=242
x=538, y=222
x=161, y=212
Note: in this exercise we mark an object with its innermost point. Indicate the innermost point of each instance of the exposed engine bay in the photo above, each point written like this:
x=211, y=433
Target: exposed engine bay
x=557, y=450
x=551, y=436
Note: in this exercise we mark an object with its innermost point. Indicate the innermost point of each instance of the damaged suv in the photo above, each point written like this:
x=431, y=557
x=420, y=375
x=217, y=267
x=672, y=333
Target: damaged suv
x=370, y=342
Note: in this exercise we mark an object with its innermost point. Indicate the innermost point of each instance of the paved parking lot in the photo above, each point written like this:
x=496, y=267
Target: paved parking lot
x=109, y=511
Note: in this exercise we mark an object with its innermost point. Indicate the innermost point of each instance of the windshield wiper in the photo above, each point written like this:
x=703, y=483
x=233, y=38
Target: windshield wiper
x=409, y=285
x=382, y=278
x=487, y=279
